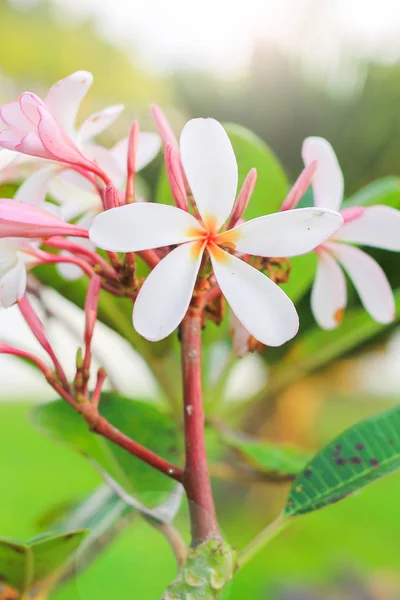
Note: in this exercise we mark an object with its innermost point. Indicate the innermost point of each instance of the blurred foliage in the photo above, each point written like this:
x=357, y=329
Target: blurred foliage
x=38, y=48
x=277, y=99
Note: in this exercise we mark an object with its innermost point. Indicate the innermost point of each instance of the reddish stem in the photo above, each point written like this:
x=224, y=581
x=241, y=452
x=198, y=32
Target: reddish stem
x=102, y=427
x=196, y=478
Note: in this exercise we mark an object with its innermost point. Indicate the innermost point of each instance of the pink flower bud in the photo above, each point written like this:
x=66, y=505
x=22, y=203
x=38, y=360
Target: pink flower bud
x=163, y=126
x=174, y=172
x=111, y=197
x=23, y=220
x=300, y=187
x=243, y=198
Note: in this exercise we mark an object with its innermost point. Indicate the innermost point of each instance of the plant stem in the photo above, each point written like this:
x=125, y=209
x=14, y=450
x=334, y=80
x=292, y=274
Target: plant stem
x=101, y=426
x=196, y=478
x=262, y=539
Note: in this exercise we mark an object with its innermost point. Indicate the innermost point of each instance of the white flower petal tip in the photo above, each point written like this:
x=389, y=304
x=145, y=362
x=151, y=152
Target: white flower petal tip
x=98, y=122
x=65, y=97
x=328, y=182
x=329, y=293
x=12, y=283
x=288, y=233
x=210, y=167
x=369, y=280
x=377, y=226
x=262, y=307
x=166, y=293
x=142, y=226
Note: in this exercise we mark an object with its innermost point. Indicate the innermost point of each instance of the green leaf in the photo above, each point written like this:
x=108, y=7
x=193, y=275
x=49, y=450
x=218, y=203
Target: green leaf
x=272, y=184
x=25, y=564
x=383, y=191
x=251, y=152
x=144, y=423
x=301, y=276
x=266, y=457
x=363, y=453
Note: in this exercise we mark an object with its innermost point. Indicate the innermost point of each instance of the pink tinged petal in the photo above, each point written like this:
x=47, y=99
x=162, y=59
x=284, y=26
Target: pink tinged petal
x=98, y=122
x=369, y=280
x=19, y=219
x=65, y=97
x=287, y=233
x=57, y=143
x=166, y=293
x=243, y=198
x=30, y=104
x=328, y=183
x=142, y=226
x=34, y=189
x=351, y=213
x=329, y=293
x=211, y=168
x=13, y=285
x=13, y=116
x=260, y=305
x=240, y=336
x=175, y=179
x=377, y=226
x=300, y=187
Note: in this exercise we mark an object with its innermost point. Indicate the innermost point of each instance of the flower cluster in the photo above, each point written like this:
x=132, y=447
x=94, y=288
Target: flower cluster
x=198, y=249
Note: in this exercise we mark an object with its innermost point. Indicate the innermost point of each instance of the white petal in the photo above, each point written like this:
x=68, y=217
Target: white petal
x=329, y=293
x=13, y=285
x=211, y=168
x=7, y=158
x=98, y=122
x=260, y=305
x=328, y=183
x=34, y=189
x=369, y=280
x=166, y=293
x=148, y=148
x=142, y=226
x=378, y=226
x=65, y=97
x=287, y=233
x=106, y=161
x=75, y=193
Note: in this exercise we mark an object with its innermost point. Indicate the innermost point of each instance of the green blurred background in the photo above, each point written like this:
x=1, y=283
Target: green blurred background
x=296, y=68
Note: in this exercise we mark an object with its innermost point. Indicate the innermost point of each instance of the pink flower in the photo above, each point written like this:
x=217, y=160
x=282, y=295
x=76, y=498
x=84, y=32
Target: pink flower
x=211, y=169
x=46, y=129
x=377, y=226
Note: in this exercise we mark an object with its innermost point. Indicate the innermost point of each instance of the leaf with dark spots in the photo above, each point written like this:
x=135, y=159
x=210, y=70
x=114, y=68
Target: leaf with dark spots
x=361, y=454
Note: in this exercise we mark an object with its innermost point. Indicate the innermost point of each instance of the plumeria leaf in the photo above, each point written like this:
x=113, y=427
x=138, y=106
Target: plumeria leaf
x=24, y=564
x=272, y=184
x=144, y=423
x=382, y=191
x=267, y=457
x=363, y=453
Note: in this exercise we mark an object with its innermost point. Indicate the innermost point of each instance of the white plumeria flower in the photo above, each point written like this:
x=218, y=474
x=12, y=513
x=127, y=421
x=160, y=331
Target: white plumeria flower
x=211, y=169
x=377, y=226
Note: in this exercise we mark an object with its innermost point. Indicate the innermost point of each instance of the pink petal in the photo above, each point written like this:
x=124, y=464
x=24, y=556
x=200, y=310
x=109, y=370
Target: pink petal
x=329, y=293
x=19, y=219
x=369, y=280
x=377, y=226
x=13, y=116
